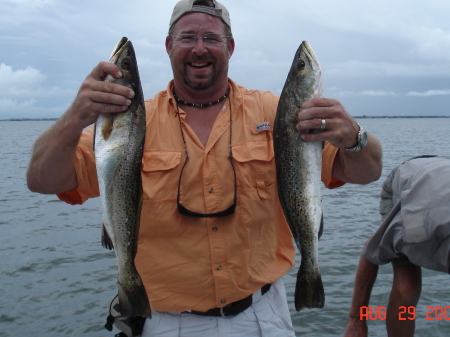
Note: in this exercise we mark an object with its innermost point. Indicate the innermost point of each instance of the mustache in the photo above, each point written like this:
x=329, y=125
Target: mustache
x=200, y=58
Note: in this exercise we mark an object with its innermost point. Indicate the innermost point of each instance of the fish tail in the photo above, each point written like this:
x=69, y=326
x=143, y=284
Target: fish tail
x=309, y=290
x=133, y=301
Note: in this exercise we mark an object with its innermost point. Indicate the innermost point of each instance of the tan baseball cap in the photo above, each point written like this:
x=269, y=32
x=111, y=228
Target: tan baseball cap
x=192, y=6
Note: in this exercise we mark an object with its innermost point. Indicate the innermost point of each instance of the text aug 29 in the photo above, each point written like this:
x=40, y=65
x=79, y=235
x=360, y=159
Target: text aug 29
x=404, y=313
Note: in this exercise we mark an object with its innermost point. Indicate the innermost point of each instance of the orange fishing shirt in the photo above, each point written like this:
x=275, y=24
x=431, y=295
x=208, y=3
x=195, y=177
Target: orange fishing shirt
x=189, y=263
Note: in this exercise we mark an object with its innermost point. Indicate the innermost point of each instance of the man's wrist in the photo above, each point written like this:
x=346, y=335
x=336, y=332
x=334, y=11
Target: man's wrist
x=361, y=140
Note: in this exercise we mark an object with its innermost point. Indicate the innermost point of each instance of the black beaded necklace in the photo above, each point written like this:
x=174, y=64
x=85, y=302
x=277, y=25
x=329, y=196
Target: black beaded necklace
x=201, y=105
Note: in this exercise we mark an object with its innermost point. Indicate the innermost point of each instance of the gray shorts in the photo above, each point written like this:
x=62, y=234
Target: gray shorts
x=415, y=226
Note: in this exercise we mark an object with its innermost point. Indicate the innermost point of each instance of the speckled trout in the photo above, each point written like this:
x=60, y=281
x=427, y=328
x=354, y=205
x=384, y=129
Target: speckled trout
x=118, y=146
x=299, y=166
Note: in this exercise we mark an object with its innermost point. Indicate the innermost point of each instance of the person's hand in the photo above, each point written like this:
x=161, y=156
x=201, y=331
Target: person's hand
x=330, y=117
x=356, y=328
x=96, y=96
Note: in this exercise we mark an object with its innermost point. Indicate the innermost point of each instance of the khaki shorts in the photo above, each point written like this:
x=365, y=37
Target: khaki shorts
x=268, y=316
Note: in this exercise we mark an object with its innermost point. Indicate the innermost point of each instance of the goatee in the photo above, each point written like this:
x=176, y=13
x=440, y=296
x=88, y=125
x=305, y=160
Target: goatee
x=200, y=85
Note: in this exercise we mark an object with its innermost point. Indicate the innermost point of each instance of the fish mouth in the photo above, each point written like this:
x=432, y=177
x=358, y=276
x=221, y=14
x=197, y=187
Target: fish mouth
x=310, y=56
x=121, y=45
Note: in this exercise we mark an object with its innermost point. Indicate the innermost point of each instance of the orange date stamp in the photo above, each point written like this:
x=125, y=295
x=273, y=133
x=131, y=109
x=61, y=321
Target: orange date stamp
x=437, y=313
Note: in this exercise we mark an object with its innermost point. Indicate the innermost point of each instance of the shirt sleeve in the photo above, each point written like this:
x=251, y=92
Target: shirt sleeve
x=85, y=170
x=328, y=156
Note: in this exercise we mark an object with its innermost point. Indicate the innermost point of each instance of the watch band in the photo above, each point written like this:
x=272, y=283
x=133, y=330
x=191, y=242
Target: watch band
x=361, y=138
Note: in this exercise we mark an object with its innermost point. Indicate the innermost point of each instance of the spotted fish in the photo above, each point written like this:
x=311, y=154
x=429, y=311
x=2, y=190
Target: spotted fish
x=299, y=166
x=118, y=146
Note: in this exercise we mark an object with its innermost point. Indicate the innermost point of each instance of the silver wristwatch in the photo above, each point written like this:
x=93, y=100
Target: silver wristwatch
x=362, y=140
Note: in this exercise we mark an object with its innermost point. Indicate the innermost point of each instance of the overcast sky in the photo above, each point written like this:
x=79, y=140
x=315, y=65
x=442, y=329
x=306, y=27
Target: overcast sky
x=386, y=57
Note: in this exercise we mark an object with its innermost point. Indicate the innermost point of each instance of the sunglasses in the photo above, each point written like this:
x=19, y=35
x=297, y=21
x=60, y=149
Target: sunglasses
x=185, y=211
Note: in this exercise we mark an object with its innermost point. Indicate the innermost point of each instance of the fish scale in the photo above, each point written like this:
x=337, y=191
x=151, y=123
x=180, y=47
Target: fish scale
x=118, y=145
x=299, y=166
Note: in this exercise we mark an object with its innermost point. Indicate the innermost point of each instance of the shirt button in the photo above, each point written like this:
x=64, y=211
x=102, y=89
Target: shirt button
x=215, y=229
x=211, y=190
x=219, y=267
x=223, y=301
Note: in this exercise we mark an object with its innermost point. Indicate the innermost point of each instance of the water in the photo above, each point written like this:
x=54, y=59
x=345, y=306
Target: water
x=57, y=280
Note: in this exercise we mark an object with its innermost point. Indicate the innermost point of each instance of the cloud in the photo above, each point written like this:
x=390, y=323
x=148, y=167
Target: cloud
x=9, y=104
x=19, y=81
x=429, y=93
x=25, y=83
x=368, y=50
x=372, y=93
x=381, y=93
x=29, y=2
x=25, y=91
x=377, y=93
x=432, y=43
x=357, y=68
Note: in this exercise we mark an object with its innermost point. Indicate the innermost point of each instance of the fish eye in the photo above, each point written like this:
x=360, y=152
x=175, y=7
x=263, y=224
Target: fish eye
x=126, y=63
x=301, y=65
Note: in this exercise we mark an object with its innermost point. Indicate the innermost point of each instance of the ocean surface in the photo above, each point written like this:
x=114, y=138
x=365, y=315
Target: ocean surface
x=56, y=279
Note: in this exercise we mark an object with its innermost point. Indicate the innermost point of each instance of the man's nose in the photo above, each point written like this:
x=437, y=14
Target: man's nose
x=199, y=46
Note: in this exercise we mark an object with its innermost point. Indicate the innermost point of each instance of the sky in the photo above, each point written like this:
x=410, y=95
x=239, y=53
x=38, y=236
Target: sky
x=378, y=58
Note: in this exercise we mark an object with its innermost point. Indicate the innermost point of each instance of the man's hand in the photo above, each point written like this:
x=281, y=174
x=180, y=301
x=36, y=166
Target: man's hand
x=340, y=128
x=356, y=328
x=96, y=96
x=51, y=168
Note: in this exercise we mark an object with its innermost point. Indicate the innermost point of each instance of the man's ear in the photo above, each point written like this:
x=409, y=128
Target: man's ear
x=169, y=43
x=230, y=47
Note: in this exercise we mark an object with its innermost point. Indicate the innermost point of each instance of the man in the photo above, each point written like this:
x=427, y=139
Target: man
x=415, y=233
x=196, y=269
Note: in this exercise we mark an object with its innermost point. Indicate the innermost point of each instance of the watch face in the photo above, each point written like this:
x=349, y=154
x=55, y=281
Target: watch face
x=363, y=138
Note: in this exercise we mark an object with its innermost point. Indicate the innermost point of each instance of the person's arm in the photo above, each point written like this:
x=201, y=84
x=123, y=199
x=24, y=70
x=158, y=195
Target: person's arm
x=366, y=275
x=362, y=167
x=341, y=131
x=51, y=168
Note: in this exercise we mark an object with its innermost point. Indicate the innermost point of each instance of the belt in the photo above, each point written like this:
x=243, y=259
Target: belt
x=232, y=309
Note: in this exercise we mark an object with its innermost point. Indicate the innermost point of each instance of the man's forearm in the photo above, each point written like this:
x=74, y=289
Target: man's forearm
x=364, y=281
x=51, y=168
x=361, y=167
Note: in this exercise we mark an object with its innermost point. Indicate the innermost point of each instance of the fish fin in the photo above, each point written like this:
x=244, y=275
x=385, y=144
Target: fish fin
x=106, y=240
x=321, y=227
x=133, y=300
x=309, y=290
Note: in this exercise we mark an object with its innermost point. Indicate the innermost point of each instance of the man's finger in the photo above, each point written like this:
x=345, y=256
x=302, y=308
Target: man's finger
x=103, y=69
x=106, y=97
x=318, y=102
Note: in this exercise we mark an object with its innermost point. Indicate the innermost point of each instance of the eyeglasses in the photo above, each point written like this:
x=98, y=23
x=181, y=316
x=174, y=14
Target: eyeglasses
x=209, y=39
x=183, y=210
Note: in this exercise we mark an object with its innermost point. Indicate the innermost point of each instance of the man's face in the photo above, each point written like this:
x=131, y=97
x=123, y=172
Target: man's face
x=201, y=66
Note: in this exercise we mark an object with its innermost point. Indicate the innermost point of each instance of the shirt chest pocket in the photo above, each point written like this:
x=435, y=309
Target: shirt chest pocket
x=160, y=174
x=256, y=175
x=160, y=171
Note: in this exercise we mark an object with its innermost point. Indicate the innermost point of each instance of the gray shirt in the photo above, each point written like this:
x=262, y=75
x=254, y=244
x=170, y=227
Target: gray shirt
x=415, y=208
